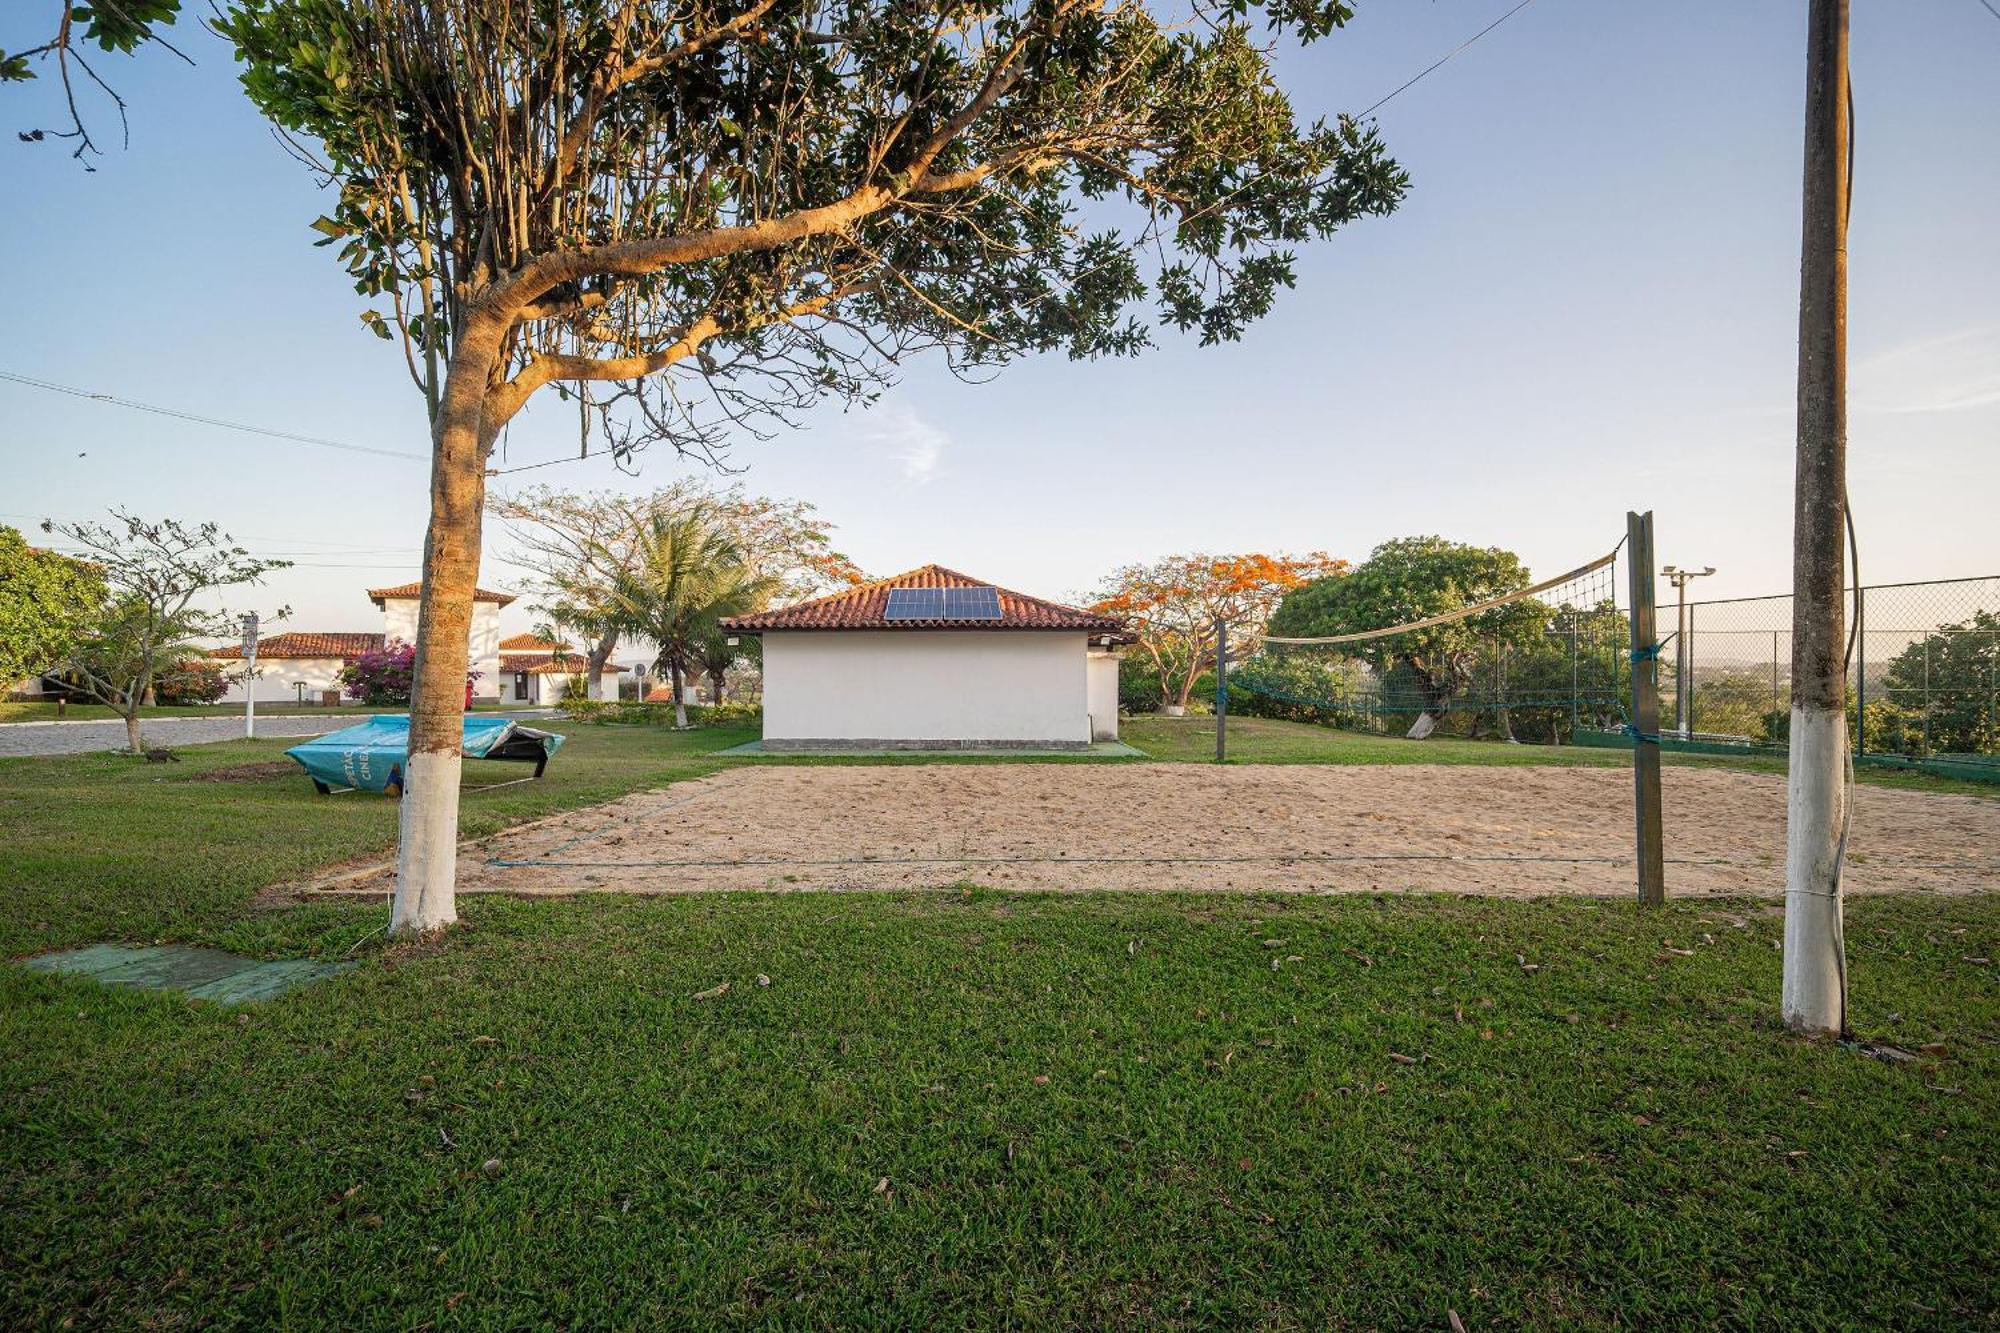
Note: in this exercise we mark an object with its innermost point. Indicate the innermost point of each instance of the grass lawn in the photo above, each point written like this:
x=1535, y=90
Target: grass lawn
x=955, y=1108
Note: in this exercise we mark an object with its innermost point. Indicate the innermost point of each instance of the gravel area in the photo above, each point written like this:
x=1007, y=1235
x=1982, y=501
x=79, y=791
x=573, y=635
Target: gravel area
x=43, y=738
x=1513, y=832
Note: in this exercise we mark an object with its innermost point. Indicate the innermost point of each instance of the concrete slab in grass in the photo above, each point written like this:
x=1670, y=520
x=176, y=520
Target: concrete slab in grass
x=206, y=974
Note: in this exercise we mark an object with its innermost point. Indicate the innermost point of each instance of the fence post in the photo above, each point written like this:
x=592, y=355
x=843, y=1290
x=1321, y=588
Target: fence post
x=1221, y=689
x=1645, y=655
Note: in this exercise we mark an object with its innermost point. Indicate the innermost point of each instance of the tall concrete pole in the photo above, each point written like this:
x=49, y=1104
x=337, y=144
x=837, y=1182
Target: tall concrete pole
x=1815, y=985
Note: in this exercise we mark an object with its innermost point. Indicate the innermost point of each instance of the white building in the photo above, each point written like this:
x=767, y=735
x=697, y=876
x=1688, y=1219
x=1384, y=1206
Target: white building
x=300, y=666
x=934, y=659
x=539, y=671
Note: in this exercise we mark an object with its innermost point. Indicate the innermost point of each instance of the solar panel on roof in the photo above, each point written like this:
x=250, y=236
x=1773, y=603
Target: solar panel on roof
x=943, y=604
x=971, y=604
x=915, y=604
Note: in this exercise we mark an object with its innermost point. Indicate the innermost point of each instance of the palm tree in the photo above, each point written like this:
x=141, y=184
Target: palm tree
x=689, y=573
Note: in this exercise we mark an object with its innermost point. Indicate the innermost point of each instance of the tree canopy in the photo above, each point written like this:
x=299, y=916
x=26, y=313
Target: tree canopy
x=159, y=577
x=777, y=201
x=46, y=602
x=1171, y=606
x=1413, y=578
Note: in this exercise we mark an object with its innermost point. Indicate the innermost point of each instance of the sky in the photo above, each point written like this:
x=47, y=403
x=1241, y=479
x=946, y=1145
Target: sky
x=1587, y=304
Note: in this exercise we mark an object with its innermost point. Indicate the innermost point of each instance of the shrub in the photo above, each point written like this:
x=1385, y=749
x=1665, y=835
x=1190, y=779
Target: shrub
x=383, y=678
x=196, y=681
x=1298, y=687
x=628, y=712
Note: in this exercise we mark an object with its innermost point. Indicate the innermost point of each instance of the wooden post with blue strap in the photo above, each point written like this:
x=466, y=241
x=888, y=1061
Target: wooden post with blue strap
x=1645, y=724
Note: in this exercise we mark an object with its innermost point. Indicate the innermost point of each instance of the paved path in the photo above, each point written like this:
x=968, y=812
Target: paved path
x=26, y=738
x=32, y=738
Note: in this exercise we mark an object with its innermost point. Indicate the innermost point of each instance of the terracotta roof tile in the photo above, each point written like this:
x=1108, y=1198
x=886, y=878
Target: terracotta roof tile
x=544, y=664
x=866, y=606
x=413, y=590
x=300, y=644
x=532, y=643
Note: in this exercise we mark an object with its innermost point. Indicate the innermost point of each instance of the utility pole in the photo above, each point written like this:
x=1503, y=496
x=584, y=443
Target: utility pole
x=1683, y=657
x=1815, y=986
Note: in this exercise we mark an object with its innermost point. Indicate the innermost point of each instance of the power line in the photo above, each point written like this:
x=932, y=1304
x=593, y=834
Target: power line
x=157, y=410
x=1990, y=9
x=1454, y=51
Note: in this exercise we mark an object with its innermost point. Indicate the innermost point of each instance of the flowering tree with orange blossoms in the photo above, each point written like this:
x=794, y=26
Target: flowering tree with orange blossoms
x=1171, y=605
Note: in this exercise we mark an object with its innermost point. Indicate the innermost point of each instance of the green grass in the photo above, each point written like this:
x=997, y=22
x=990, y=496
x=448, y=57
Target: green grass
x=1090, y=1110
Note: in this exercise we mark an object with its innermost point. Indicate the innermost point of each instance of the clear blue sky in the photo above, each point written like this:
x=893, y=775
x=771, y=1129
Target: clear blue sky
x=1588, y=304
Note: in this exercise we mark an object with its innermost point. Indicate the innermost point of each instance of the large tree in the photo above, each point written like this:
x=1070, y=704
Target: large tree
x=46, y=602
x=576, y=546
x=161, y=578
x=1171, y=606
x=699, y=218
x=1414, y=578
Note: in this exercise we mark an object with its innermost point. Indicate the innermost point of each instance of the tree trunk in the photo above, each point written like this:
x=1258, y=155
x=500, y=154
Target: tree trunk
x=427, y=857
x=600, y=654
x=132, y=729
x=680, y=697
x=716, y=680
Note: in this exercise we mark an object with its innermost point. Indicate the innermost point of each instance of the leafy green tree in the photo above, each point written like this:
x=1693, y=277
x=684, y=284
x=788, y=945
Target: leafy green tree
x=1946, y=689
x=158, y=576
x=1413, y=578
x=46, y=600
x=697, y=220
x=689, y=574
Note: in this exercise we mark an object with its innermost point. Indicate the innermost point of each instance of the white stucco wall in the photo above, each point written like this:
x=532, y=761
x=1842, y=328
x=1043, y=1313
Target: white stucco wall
x=904, y=685
x=399, y=624
x=278, y=679
x=1103, y=696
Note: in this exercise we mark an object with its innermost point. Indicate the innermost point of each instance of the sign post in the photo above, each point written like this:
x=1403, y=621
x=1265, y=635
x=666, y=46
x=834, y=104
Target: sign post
x=250, y=675
x=1645, y=726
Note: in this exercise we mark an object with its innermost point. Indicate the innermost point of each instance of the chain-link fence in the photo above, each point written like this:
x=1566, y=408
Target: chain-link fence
x=1923, y=679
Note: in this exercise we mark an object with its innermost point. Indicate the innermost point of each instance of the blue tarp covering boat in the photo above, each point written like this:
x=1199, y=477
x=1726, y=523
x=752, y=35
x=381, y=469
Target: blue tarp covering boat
x=370, y=756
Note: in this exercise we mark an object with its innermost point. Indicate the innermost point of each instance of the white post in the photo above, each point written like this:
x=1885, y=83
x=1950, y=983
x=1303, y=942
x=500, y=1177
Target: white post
x=250, y=676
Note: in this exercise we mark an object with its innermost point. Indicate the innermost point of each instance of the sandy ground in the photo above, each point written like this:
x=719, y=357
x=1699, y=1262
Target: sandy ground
x=1514, y=832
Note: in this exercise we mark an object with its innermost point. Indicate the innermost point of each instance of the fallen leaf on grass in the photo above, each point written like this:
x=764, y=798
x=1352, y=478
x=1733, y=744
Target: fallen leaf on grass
x=713, y=992
x=1402, y=1059
x=882, y=1185
x=763, y=980
x=483, y=1040
x=1041, y=1080
x=1457, y=1324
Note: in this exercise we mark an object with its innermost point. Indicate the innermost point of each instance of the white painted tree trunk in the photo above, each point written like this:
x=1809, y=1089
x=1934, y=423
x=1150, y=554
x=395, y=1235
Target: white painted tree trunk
x=1815, y=986
x=1422, y=727
x=427, y=855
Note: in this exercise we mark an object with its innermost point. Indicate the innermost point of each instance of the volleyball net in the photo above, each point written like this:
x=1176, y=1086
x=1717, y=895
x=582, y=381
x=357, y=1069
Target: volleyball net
x=1535, y=664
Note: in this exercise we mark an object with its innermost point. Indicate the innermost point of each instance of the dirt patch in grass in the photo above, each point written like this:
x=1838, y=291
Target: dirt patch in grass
x=264, y=772
x=1511, y=832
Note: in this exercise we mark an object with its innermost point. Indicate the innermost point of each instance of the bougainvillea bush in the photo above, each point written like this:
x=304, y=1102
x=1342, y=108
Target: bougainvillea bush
x=196, y=681
x=382, y=678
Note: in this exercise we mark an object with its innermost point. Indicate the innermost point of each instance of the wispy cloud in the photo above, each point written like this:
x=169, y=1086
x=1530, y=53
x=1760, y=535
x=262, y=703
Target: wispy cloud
x=1954, y=372
x=904, y=438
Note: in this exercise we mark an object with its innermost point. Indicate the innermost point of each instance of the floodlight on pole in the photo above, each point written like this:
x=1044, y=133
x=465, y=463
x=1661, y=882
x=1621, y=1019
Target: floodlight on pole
x=1683, y=655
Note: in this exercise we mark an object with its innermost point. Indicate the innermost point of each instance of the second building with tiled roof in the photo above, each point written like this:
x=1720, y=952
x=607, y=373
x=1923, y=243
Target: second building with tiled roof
x=935, y=659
